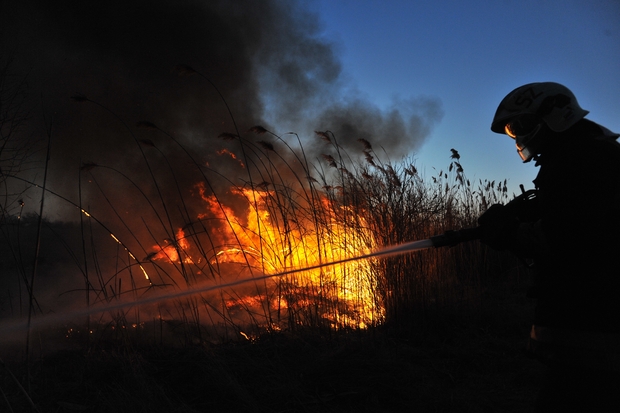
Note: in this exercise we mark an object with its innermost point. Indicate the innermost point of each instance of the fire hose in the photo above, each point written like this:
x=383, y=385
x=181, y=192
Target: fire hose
x=523, y=206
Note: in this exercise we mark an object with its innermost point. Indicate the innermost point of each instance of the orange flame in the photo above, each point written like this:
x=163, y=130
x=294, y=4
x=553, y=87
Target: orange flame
x=268, y=236
x=232, y=155
x=173, y=247
x=272, y=242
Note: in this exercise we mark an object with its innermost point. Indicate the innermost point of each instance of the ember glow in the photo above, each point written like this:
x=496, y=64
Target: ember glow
x=115, y=238
x=173, y=249
x=275, y=235
x=232, y=156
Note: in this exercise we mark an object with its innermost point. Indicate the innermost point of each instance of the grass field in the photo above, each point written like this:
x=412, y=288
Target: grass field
x=434, y=330
x=457, y=364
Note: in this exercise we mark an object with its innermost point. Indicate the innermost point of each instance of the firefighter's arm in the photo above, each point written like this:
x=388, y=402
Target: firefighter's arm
x=498, y=227
x=501, y=229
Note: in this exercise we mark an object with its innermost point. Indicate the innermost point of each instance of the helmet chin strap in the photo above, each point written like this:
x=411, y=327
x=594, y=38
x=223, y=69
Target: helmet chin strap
x=525, y=154
x=528, y=146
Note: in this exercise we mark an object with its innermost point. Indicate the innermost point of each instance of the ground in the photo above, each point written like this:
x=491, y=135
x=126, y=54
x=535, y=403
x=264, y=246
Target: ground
x=457, y=365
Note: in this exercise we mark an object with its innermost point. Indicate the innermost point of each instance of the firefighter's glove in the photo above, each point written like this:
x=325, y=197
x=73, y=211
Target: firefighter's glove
x=498, y=227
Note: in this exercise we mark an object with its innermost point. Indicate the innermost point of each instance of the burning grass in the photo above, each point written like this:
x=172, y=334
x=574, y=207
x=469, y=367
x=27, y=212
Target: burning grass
x=287, y=214
x=330, y=338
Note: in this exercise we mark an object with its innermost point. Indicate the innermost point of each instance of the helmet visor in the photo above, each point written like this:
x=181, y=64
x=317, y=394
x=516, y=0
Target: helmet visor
x=523, y=125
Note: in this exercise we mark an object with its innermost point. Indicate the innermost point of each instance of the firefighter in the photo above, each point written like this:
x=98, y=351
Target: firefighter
x=574, y=241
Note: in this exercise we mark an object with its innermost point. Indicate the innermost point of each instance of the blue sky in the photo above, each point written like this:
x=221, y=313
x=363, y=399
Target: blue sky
x=470, y=54
x=277, y=66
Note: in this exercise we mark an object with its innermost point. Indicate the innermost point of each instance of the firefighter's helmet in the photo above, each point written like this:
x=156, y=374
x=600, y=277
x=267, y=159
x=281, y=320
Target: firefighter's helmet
x=526, y=112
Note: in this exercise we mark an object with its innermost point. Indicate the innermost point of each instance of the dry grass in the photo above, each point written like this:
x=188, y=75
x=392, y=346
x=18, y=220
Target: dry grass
x=451, y=367
x=438, y=330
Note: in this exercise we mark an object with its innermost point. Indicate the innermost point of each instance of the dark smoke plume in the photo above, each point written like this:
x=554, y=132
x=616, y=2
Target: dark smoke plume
x=266, y=58
x=135, y=94
x=265, y=62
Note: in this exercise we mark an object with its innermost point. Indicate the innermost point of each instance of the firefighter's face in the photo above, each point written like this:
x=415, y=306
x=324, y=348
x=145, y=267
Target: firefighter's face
x=526, y=130
x=523, y=125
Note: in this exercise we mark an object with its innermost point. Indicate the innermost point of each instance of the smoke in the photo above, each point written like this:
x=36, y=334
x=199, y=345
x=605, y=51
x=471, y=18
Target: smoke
x=268, y=60
x=258, y=62
x=396, y=130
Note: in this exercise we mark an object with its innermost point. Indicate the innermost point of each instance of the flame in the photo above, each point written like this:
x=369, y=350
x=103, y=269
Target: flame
x=267, y=240
x=264, y=235
x=170, y=251
x=232, y=155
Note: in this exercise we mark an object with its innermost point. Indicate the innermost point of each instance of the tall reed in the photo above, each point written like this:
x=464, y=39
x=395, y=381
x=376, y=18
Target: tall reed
x=280, y=212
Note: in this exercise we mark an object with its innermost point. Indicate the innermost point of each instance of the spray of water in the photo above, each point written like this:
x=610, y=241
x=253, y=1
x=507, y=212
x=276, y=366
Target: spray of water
x=13, y=326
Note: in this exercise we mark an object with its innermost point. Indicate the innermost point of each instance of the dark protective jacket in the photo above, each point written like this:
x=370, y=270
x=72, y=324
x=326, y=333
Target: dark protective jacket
x=578, y=280
x=577, y=287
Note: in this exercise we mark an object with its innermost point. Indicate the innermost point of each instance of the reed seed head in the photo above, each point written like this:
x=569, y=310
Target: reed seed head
x=367, y=145
x=330, y=160
x=79, y=98
x=266, y=145
x=259, y=130
x=87, y=166
x=323, y=135
x=150, y=256
x=147, y=142
x=183, y=70
x=146, y=125
x=227, y=136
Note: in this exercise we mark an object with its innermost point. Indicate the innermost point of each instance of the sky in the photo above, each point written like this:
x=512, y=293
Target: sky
x=414, y=78
x=470, y=54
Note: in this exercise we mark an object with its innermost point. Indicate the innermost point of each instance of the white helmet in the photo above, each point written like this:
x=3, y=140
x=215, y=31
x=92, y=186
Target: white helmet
x=524, y=111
